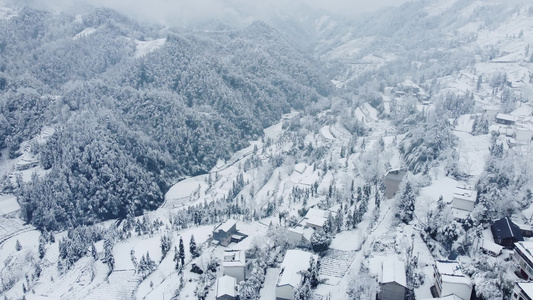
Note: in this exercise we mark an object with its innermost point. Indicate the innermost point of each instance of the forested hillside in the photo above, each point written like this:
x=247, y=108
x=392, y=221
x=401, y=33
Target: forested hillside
x=129, y=122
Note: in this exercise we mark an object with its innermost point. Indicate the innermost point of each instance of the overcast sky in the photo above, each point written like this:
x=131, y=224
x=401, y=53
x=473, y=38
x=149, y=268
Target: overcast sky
x=184, y=11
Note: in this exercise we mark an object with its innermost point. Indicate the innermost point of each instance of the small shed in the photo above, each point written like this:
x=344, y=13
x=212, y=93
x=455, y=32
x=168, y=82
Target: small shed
x=392, y=281
x=226, y=288
x=506, y=233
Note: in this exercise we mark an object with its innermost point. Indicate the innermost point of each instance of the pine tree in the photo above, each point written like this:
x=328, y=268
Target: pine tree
x=42, y=249
x=313, y=270
x=303, y=291
x=166, y=243
x=182, y=252
x=108, y=254
x=94, y=253
x=407, y=204
x=18, y=247
x=192, y=247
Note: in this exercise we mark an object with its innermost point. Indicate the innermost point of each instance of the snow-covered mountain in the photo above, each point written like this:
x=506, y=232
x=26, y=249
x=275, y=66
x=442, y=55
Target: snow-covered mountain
x=380, y=143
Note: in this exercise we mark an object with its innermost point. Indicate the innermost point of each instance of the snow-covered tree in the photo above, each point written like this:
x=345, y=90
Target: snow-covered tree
x=406, y=206
x=182, y=252
x=192, y=247
x=320, y=241
x=166, y=244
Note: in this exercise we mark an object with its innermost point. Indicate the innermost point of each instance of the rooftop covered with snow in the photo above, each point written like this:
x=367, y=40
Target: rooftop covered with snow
x=526, y=287
x=451, y=272
x=226, y=226
x=393, y=270
x=226, y=286
x=294, y=262
x=233, y=258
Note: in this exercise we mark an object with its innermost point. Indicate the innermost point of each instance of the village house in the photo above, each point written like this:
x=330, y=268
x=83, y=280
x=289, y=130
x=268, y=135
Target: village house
x=234, y=264
x=223, y=232
x=522, y=291
x=316, y=218
x=450, y=280
x=506, y=233
x=393, y=178
x=226, y=288
x=524, y=259
x=505, y=119
x=463, y=202
x=290, y=276
x=490, y=112
x=490, y=248
x=392, y=281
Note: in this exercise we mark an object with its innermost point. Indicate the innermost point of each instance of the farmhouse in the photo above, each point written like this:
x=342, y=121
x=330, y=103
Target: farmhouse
x=234, y=264
x=226, y=288
x=464, y=199
x=316, y=218
x=505, y=119
x=450, y=280
x=522, y=255
x=224, y=231
x=290, y=276
x=392, y=281
x=506, y=233
x=523, y=135
x=490, y=248
x=522, y=291
x=393, y=178
x=490, y=112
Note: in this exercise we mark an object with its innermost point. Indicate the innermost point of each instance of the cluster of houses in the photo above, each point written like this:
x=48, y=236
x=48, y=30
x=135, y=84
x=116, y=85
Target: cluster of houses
x=449, y=281
x=517, y=126
x=235, y=268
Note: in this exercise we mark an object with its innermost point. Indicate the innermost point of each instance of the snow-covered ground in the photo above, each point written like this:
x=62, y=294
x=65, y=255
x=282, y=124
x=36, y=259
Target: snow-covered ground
x=144, y=47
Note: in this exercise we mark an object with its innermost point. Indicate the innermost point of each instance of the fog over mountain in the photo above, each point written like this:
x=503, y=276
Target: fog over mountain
x=266, y=150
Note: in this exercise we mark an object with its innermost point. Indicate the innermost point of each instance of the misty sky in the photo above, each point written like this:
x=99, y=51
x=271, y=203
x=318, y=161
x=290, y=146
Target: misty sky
x=180, y=12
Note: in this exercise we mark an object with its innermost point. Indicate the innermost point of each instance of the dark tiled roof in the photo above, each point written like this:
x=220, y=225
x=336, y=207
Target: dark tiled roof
x=505, y=228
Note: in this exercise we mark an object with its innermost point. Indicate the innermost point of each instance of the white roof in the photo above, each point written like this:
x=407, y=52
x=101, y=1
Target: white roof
x=527, y=287
x=393, y=271
x=307, y=233
x=234, y=258
x=294, y=262
x=226, y=286
x=491, y=107
x=451, y=272
x=526, y=248
x=506, y=117
x=449, y=297
x=464, y=194
x=316, y=212
x=298, y=230
x=449, y=267
x=317, y=221
x=226, y=226
x=491, y=246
